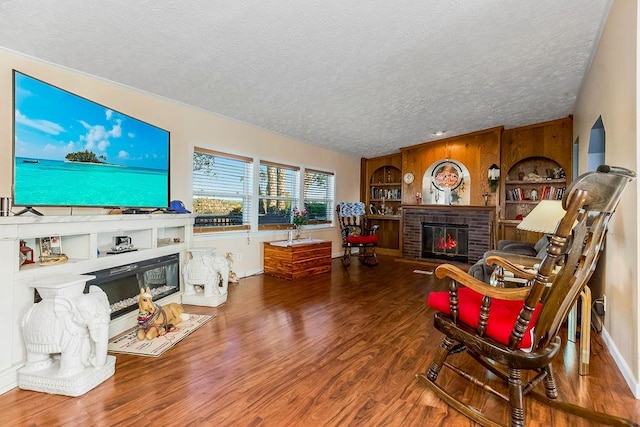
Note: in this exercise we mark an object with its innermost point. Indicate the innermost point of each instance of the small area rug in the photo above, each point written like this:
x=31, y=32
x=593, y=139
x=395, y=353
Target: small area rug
x=128, y=342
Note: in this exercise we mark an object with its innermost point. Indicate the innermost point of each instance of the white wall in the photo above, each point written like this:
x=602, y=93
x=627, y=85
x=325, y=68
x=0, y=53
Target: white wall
x=188, y=126
x=610, y=90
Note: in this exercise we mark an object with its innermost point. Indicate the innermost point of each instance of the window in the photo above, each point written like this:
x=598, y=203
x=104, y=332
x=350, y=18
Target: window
x=278, y=194
x=318, y=196
x=222, y=188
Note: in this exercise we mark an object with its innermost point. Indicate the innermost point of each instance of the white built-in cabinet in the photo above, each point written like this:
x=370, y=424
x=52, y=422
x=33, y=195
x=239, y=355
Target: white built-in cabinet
x=85, y=240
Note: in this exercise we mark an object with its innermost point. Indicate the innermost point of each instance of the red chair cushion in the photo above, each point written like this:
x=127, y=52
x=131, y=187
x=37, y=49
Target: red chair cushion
x=502, y=315
x=362, y=240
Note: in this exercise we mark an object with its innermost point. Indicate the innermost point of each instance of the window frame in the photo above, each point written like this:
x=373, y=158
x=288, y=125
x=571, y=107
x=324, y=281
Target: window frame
x=329, y=200
x=293, y=199
x=213, y=192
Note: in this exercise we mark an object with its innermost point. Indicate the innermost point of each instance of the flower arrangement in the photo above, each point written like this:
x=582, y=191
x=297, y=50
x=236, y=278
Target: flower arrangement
x=299, y=217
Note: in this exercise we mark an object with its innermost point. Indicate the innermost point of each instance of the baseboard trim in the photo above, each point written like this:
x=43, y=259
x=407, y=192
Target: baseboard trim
x=632, y=382
x=9, y=378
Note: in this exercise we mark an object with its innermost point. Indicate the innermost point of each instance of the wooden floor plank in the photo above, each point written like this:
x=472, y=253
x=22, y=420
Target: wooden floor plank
x=337, y=349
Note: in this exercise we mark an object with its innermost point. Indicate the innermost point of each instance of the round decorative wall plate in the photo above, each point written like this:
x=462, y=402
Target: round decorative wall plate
x=446, y=176
x=408, y=178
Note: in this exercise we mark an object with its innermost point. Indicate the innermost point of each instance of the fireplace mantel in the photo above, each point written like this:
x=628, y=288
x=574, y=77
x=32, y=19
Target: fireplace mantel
x=481, y=221
x=449, y=208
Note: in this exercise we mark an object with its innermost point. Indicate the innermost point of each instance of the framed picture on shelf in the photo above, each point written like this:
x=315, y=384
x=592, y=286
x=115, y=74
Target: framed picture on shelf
x=51, y=245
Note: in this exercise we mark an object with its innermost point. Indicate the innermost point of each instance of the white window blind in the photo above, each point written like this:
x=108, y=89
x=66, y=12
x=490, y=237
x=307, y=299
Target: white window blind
x=278, y=194
x=319, y=196
x=222, y=190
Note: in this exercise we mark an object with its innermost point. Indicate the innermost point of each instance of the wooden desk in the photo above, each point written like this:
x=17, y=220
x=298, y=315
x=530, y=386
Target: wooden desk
x=301, y=259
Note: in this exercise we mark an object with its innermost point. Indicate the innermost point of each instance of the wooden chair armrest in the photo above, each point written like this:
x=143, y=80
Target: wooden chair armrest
x=518, y=270
x=516, y=259
x=463, y=278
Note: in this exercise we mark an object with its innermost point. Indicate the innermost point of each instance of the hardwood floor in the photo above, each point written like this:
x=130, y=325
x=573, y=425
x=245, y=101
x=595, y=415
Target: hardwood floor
x=338, y=349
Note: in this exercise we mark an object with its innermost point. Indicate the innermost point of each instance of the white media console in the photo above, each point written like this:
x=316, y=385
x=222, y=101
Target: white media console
x=85, y=240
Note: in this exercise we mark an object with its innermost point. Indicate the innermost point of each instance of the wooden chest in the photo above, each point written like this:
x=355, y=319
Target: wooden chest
x=298, y=260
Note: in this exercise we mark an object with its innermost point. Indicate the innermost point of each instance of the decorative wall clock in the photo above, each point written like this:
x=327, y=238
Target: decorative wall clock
x=408, y=178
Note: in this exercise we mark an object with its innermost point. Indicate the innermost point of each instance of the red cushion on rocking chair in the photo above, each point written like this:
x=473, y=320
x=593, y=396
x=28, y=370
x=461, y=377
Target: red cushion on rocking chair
x=502, y=315
x=362, y=240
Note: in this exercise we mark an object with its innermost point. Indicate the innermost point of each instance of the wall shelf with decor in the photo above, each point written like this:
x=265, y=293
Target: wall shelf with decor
x=86, y=240
x=536, y=158
x=381, y=191
x=529, y=181
x=385, y=191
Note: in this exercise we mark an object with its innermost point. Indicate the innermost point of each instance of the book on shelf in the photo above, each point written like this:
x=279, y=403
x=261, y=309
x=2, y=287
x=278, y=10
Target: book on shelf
x=550, y=192
x=516, y=193
x=547, y=192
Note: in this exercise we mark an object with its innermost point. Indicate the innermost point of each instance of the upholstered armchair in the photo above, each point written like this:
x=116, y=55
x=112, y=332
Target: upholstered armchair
x=519, y=253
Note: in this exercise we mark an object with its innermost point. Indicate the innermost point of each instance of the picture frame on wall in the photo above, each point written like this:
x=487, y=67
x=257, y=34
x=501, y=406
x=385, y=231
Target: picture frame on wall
x=447, y=175
x=50, y=245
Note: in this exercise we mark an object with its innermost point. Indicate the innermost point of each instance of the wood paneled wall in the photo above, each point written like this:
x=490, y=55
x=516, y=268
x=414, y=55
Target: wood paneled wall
x=551, y=139
x=477, y=151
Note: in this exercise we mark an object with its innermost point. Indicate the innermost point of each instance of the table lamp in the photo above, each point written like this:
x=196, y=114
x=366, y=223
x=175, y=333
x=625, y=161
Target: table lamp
x=544, y=218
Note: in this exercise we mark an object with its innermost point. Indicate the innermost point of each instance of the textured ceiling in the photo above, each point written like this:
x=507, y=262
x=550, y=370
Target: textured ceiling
x=363, y=77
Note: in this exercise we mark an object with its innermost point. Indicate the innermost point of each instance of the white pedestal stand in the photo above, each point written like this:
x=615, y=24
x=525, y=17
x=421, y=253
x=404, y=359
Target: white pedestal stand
x=202, y=279
x=66, y=336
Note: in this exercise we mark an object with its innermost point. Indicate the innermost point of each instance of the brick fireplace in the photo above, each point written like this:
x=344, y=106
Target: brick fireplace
x=477, y=221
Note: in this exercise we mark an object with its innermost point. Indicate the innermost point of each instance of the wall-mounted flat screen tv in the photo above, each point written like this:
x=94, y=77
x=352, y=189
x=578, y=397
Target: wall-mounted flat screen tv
x=70, y=151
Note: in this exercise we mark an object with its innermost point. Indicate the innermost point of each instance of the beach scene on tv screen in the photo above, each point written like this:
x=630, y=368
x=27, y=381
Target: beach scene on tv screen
x=70, y=151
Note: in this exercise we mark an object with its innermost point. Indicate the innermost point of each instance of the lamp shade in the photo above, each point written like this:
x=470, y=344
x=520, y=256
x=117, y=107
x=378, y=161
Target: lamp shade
x=544, y=218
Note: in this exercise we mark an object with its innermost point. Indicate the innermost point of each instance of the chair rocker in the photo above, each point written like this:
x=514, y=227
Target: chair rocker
x=356, y=233
x=513, y=332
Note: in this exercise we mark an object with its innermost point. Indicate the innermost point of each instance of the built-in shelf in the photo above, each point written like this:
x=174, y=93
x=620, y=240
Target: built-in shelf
x=382, y=194
x=519, y=202
x=389, y=217
x=538, y=182
x=85, y=241
x=385, y=184
x=527, y=182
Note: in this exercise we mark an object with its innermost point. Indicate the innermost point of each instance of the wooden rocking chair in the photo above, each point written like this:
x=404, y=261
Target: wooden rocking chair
x=511, y=330
x=356, y=233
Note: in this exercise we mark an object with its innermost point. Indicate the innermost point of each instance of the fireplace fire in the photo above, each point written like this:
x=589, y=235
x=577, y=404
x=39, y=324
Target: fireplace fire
x=445, y=241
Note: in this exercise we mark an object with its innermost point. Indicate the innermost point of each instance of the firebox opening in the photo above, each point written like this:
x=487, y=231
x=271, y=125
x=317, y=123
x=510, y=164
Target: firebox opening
x=445, y=241
x=122, y=284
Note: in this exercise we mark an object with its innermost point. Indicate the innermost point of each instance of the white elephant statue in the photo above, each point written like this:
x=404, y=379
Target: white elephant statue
x=68, y=326
x=199, y=272
x=220, y=265
x=211, y=272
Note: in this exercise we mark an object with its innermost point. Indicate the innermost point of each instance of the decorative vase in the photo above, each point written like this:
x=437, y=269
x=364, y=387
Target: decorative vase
x=298, y=232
